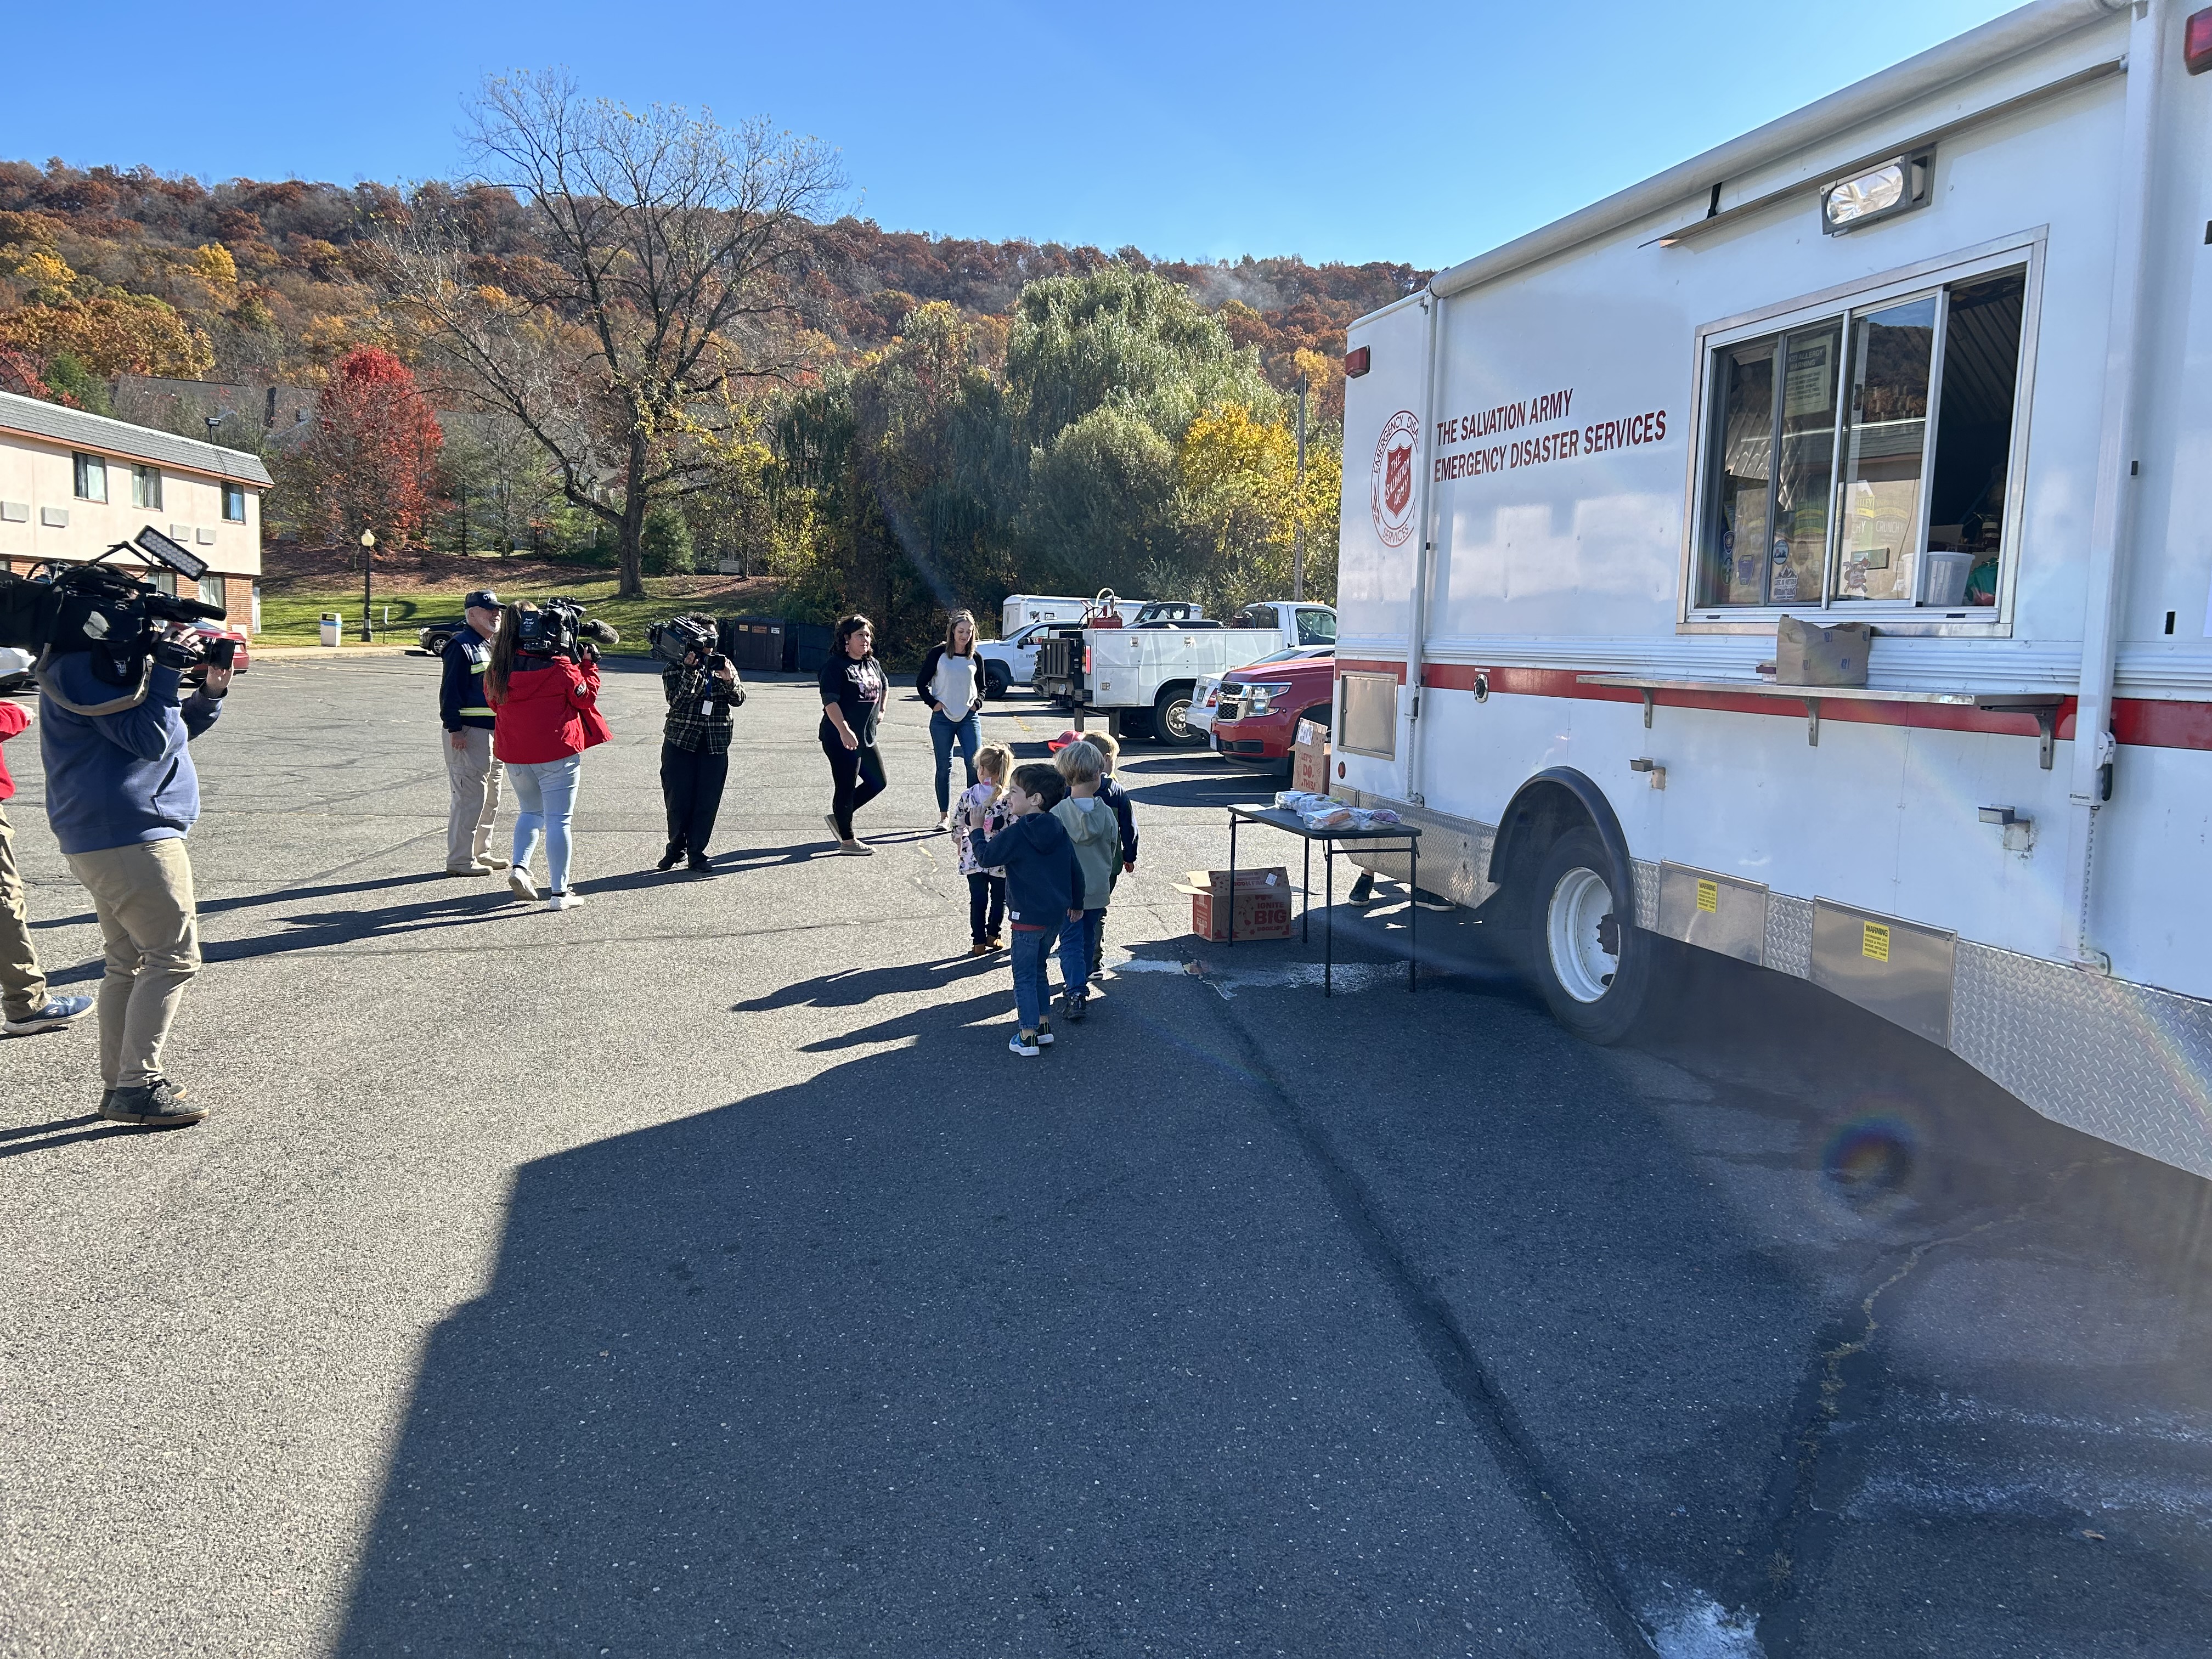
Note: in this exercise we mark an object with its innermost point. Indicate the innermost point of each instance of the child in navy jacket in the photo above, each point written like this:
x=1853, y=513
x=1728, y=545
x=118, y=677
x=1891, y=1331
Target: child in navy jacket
x=1044, y=890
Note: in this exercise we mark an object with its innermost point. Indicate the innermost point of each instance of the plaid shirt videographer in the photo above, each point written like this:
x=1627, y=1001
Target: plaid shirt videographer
x=695, y=752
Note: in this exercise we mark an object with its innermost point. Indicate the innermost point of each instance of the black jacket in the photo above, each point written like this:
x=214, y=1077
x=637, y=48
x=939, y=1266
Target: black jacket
x=1110, y=792
x=461, y=692
x=1043, y=881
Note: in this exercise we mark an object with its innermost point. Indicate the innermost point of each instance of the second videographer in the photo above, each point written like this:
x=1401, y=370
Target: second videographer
x=543, y=684
x=694, y=746
x=121, y=795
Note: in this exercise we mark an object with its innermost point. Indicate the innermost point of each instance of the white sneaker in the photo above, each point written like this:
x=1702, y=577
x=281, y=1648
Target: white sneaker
x=518, y=883
x=859, y=849
x=568, y=900
x=944, y=821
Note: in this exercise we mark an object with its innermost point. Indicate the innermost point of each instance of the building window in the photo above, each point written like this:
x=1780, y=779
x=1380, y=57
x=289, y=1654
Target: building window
x=146, y=486
x=1862, y=458
x=234, y=503
x=91, y=479
x=211, y=591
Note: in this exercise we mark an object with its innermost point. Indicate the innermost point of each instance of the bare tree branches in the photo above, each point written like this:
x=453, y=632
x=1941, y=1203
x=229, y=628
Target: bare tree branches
x=660, y=290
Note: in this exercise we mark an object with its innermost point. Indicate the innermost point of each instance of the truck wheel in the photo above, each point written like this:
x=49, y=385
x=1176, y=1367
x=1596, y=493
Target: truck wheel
x=995, y=681
x=1171, y=717
x=1585, y=953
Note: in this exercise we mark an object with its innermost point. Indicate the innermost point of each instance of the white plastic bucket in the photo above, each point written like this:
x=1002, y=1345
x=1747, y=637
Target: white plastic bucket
x=333, y=623
x=1944, y=578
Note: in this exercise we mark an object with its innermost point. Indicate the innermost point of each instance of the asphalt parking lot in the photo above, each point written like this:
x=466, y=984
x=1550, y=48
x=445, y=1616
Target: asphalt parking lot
x=696, y=1272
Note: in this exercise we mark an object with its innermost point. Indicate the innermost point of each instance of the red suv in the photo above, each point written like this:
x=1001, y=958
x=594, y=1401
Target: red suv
x=1258, y=708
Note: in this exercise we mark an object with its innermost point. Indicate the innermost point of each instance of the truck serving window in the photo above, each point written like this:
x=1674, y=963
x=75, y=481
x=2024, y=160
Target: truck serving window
x=1862, y=458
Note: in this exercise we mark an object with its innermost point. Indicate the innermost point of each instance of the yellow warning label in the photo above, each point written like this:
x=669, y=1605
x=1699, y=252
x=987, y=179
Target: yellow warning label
x=1708, y=896
x=1874, y=941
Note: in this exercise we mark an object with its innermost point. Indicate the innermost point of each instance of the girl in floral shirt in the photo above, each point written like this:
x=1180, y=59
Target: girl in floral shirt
x=981, y=814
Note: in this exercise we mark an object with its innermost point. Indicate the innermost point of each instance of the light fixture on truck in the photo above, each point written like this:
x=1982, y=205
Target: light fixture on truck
x=1894, y=187
x=2196, y=42
x=1355, y=362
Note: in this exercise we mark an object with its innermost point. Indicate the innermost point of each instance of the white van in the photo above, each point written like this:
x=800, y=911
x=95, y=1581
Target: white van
x=1929, y=355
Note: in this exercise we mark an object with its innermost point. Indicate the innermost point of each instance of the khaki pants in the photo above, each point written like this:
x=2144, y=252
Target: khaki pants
x=22, y=987
x=474, y=776
x=144, y=897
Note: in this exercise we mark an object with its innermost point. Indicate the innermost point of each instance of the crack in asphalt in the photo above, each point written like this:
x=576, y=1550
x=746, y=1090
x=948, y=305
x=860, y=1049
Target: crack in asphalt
x=1799, y=1533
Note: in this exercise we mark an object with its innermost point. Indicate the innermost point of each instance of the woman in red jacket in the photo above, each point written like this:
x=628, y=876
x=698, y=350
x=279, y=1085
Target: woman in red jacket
x=545, y=714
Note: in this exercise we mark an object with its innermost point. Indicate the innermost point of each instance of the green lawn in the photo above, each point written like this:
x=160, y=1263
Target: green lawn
x=295, y=618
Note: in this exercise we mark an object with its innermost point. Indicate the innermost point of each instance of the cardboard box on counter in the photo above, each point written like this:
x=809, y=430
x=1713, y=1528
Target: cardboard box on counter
x=1806, y=653
x=1262, y=902
x=1309, y=759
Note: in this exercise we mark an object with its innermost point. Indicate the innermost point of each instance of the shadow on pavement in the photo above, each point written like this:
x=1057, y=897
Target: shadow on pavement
x=932, y=1356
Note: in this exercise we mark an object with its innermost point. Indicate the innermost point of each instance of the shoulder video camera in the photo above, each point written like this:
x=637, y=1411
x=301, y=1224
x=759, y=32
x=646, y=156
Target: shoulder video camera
x=694, y=641
x=110, y=616
x=559, y=628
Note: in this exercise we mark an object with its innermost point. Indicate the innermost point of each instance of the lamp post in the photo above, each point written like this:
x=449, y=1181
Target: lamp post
x=367, y=555
x=1298, y=552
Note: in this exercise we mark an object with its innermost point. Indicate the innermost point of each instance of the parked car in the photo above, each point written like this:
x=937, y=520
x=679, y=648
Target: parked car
x=434, y=638
x=1208, y=697
x=1012, y=661
x=1257, y=710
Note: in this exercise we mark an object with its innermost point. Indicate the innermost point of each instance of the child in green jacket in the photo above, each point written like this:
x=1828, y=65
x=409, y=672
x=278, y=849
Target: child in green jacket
x=1096, y=835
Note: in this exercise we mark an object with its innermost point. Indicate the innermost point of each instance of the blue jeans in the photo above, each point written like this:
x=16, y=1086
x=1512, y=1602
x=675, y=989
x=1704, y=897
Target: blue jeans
x=546, y=791
x=1032, y=950
x=943, y=729
x=1079, y=942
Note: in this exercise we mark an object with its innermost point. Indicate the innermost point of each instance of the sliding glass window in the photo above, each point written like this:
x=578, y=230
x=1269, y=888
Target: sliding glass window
x=1877, y=474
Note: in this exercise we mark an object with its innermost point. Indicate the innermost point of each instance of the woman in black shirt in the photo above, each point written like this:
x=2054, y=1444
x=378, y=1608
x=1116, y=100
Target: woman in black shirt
x=852, y=706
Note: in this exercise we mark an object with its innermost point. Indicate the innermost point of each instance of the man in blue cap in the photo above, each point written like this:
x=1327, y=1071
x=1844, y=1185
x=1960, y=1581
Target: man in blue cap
x=470, y=767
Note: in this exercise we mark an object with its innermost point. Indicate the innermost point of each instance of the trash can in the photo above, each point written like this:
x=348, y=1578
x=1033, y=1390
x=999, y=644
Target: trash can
x=755, y=644
x=805, y=646
x=333, y=625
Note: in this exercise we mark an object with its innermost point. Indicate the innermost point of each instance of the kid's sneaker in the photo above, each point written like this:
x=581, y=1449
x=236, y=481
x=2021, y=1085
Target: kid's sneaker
x=1071, y=1006
x=1024, y=1042
x=1044, y=1032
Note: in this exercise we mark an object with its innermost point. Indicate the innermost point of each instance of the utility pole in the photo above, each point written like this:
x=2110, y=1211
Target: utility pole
x=1298, y=555
x=367, y=555
x=464, y=518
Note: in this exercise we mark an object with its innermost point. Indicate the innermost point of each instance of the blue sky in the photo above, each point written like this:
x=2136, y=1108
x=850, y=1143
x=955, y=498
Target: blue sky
x=1191, y=130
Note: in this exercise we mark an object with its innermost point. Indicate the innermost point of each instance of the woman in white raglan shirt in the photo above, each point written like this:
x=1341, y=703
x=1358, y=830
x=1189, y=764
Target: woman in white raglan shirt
x=952, y=684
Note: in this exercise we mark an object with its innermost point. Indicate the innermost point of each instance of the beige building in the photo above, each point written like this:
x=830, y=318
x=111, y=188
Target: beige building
x=73, y=484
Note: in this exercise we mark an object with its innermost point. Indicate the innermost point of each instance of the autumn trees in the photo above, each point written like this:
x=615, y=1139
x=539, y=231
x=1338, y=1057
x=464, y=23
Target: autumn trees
x=369, y=459
x=1115, y=436
x=651, y=294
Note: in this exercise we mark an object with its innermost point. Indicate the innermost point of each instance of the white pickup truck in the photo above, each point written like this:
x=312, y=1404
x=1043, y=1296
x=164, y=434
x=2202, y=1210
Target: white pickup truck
x=1142, y=678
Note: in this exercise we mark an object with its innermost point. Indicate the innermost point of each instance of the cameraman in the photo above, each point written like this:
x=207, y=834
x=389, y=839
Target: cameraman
x=472, y=769
x=23, y=998
x=694, y=747
x=121, y=795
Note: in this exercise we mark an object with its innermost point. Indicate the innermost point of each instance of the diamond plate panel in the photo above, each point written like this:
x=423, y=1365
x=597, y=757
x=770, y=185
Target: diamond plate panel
x=1647, y=895
x=1455, y=851
x=2124, y=1062
x=1789, y=935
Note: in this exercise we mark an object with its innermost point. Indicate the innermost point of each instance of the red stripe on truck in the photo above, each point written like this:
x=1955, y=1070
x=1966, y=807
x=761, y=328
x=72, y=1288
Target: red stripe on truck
x=2142, y=722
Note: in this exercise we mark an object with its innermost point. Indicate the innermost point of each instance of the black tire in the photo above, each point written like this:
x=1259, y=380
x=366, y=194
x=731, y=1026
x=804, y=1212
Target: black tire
x=1572, y=913
x=1136, y=724
x=1168, y=725
x=996, y=682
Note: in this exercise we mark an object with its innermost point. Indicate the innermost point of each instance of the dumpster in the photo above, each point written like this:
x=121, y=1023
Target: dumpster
x=805, y=646
x=755, y=644
x=333, y=624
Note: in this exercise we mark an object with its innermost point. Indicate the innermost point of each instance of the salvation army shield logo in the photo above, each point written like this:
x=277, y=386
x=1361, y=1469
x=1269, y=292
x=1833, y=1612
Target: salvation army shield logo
x=1390, y=485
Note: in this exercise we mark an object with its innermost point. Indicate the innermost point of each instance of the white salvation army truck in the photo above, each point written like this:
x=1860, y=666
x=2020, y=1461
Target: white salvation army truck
x=1933, y=355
